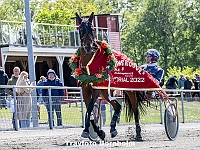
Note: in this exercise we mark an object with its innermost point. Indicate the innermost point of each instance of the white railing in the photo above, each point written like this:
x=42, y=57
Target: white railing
x=76, y=97
x=44, y=34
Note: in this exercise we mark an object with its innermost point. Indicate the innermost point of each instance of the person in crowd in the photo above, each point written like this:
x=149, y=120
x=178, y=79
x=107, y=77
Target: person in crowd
x=196, y=87
x=188, y=86
x=3, y=81
x=39, y=91
x=153, y=69
x=24, y=99
x=172, y=83
x=196, y=75
x=9, y=91
x=56, y=96
x=181, y=82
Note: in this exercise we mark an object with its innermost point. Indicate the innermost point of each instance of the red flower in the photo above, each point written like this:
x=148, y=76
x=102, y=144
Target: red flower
x=109, y=57
x=104, y=44
x=98, y=75
x=77, y=72
x=75, y=58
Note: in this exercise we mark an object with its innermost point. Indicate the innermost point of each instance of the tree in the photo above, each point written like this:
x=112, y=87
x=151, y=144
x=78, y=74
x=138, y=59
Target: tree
x=62, y=11
x=12, y=10
x=158, y=24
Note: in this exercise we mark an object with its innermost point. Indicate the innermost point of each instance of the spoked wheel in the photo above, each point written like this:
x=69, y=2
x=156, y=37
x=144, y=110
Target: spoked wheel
x=171, y=121
x=92, y=134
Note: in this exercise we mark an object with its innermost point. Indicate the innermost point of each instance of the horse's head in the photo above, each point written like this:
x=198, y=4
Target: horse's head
x=86, y=33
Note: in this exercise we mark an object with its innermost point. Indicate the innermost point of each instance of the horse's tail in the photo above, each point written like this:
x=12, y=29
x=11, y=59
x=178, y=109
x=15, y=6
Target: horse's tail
x=140, y=106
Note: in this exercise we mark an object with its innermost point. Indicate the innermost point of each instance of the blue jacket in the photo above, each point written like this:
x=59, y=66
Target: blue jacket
x=57, y=94
x=172, y=82
x=181, y=83
x=154, y=70
x=3, y=80
x=39, y=91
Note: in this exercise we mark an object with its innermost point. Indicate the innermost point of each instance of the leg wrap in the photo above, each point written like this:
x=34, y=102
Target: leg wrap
x=114, y=120
x=138, y=131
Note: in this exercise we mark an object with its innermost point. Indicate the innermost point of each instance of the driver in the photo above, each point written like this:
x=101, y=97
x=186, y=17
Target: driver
x=152, y=57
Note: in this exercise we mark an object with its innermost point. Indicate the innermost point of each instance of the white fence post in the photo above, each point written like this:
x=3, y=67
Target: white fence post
x=182, y=102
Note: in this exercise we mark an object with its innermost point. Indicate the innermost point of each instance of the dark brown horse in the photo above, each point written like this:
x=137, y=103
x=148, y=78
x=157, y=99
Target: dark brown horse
x=90, y=95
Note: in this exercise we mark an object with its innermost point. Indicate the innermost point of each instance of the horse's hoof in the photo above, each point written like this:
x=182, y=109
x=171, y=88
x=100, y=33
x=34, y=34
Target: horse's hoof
x=85, y=134
x=102, y=134
x=113, y=133
x=138, y=139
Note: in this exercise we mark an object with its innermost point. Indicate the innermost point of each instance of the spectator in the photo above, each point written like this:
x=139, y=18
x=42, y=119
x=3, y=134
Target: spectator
x=39, y=91
x=9, y=91
x=198, y=78
x=196, y=87
x=3, y=81
x=188, y=86
x=57, y=95
x=172, y=83
x=24, y=99
x=181, y=82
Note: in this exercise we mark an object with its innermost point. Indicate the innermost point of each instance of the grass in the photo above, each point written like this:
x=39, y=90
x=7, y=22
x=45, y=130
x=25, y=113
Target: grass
x=73, y=116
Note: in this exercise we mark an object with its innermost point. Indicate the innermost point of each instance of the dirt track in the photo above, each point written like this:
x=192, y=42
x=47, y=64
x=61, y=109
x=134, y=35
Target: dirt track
x=153, y=134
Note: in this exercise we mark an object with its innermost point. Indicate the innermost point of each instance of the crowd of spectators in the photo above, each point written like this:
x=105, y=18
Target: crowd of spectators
x=185, y=83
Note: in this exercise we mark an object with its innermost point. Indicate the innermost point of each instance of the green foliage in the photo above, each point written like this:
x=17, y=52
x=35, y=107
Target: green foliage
x=54, y=13
x=169, y=26
x=62, y=11
x=13, y=10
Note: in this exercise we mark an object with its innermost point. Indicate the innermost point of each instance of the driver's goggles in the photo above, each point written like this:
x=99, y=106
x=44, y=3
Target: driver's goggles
x=148, y=55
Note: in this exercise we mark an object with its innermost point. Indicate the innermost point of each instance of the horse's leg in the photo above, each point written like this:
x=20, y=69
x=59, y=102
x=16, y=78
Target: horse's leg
x=87, y=116
x=133, y=100
x=87, y=93
x=117, y=109
x=138, y=128
x=100, y=133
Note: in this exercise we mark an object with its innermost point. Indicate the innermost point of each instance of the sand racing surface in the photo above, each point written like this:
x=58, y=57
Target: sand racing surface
x=154, y=137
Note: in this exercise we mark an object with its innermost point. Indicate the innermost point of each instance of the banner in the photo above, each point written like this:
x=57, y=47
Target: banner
x=126, y=75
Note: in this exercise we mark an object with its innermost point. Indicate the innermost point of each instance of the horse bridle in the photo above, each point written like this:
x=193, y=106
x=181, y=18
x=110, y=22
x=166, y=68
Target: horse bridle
x=87, y=36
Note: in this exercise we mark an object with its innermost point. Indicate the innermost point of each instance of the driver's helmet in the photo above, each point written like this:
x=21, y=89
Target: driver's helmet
x=154, y=53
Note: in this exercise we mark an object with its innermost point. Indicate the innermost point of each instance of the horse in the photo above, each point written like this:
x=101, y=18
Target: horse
x=90, y=95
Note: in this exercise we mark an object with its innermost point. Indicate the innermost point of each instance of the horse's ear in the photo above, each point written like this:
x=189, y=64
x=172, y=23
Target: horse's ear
x=79, y=18
x=91, y=17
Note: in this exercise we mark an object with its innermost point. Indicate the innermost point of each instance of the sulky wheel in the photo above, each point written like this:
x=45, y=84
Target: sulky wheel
x=92, y=134
x=171, y=121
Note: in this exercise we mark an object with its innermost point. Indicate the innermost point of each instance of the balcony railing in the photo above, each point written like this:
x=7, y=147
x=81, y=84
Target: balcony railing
x=55, y=35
